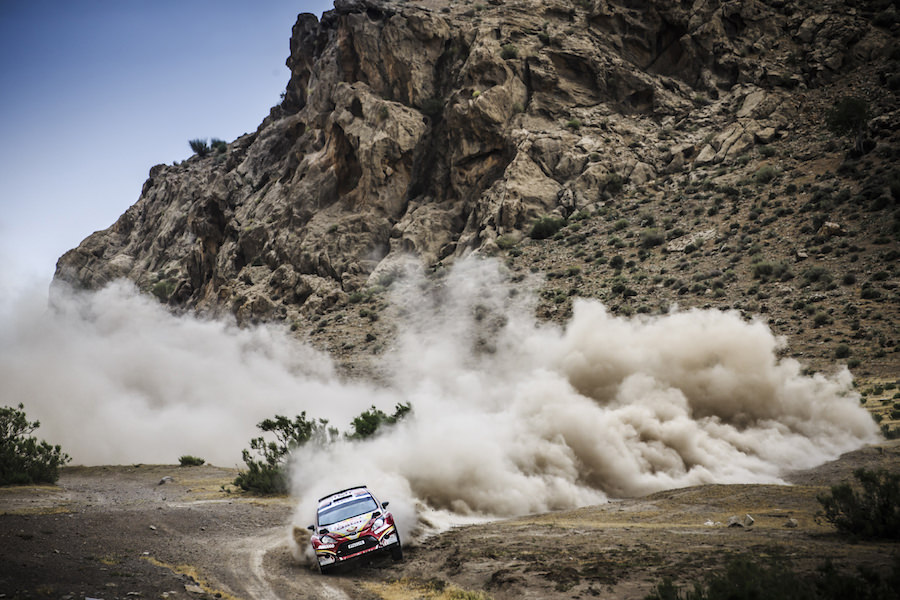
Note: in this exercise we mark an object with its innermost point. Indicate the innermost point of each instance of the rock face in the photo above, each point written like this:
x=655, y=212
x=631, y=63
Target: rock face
x=437, y=128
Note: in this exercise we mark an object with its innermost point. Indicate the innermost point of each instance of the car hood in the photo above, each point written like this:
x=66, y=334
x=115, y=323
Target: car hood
x=351, y=525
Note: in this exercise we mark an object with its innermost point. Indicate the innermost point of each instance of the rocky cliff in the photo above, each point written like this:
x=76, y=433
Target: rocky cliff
x=442, y=128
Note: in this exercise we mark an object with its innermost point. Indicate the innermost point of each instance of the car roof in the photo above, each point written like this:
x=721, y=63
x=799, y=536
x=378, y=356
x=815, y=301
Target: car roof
x=344, y=495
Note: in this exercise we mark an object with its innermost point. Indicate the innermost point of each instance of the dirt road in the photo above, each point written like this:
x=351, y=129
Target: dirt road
x=151, y=532
x=118, y=532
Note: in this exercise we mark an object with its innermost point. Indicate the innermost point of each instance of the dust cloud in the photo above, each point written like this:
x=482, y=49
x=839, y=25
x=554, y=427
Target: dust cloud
x=115, y=378
x=513, y=417
x=510, y=416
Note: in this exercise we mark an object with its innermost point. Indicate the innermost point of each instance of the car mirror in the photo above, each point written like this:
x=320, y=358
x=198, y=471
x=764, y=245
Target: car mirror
x=384, y=504
x=312, y=527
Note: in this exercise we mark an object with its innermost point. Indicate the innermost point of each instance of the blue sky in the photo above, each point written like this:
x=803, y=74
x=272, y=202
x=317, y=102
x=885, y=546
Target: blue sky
x=95, y=92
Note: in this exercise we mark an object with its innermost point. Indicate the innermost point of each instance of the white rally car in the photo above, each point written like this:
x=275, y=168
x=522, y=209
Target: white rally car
x=350, y=524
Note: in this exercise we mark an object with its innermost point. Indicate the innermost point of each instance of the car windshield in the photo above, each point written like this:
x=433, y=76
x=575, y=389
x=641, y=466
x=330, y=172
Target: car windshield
x=334, y=514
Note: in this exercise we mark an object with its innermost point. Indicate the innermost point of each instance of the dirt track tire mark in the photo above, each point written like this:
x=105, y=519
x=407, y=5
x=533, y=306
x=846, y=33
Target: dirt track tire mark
x=268, y=572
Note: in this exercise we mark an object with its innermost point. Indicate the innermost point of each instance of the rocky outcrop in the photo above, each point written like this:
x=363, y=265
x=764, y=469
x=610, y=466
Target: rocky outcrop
x=436, y=129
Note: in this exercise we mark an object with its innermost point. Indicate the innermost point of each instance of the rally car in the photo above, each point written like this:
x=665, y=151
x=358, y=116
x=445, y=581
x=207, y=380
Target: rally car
x=350, y=524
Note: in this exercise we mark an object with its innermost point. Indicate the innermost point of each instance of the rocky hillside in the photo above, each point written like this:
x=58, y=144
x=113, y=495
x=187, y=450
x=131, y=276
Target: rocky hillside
x=671, y=152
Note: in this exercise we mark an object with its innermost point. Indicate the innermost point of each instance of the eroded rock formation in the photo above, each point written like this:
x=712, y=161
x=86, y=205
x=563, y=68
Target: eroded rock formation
x=435, y=128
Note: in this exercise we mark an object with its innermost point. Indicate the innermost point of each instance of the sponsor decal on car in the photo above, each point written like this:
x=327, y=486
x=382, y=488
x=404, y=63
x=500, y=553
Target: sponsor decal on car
x=352, y=523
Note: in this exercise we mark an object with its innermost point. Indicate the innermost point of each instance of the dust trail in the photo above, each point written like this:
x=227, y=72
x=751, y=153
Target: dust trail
x=512, y=417
x=115, y=378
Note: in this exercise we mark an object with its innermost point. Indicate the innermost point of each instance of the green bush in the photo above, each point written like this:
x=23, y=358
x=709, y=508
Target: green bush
x=869, y=293
x=218, y=145
x=199, y=146
x=574, y=124
x=652, y=237
x=24, y=459
x=890, y=433
x=368, y=422
x=508, y=51
x=265, y=472
x=842, y=351
x=817, y=275
x=765, y=270
x=190, y=461
x=506, y=242
x=870, y=512
x=765, y=174
x=848, y=117
x=265, y=464
x=163, y=289
x=546, y=227
x=614, y=184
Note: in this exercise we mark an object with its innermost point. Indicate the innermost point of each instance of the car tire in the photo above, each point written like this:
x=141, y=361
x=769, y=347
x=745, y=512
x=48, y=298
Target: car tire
x=397, y=551
x=323, y=570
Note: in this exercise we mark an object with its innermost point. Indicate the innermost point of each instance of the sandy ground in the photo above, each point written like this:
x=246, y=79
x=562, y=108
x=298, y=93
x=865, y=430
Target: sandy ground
x=117, y=532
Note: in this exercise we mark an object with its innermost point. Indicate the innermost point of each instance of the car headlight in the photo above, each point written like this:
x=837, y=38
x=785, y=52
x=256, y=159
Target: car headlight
x=327, y=539
x=378, y=524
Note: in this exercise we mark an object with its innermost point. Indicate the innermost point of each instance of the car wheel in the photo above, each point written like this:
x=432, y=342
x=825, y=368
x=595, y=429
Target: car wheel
x=397, y=551
x=323, y=569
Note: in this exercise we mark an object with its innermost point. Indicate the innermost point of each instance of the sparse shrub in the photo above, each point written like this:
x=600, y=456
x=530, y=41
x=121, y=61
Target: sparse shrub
x=821, y=318
x=765, y=270
x=508, y=51
x=869, y=293
x=872, y=512
x=849, y=117
x=24, y=459
x=617, y=262
x=190, y=461
x=765, y=174
x=890, y=433
x=218, y=145
x=199, y=146
x=367, y=423
x=546, y=227
x=614, y=184
x=652, y=237
x=163, y=290
x=265, y=474
x=573, y=124
x=842, y=351
x=817, y=275
x=506, y=242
